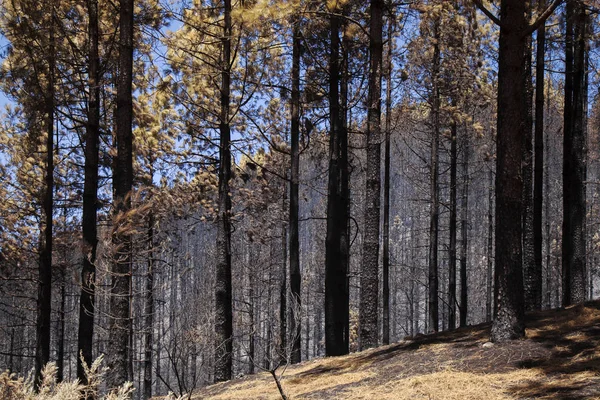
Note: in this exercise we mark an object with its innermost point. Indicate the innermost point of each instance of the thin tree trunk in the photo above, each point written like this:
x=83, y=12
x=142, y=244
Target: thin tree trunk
x=434, y=171
x=386, y=188
x=120, y=314
x=44, y=298
x=90, y=199
x=268, y=359
x=369, y=279
x=295, y=278
x=490, y=244
x=547, y=219
x=223, y=291
x=344, y=315
x=452, y=245
x=530, y=281
x=149, y=311
x=278, y=383
x=414, y=291
x=538, y=178
x=60, y=337
x=283, y=304
x=131, y=351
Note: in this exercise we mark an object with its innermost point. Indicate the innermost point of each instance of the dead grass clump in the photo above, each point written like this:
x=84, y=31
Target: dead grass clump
x=19, y=388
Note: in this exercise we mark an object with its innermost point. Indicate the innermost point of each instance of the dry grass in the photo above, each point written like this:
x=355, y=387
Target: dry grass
x=559, y=359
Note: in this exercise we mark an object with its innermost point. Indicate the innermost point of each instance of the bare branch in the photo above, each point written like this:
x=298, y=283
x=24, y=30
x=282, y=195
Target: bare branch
x=487, y=12
x=542, y=18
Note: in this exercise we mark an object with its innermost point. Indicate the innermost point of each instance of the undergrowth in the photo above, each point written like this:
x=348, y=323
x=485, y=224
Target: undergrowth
x=13, y=387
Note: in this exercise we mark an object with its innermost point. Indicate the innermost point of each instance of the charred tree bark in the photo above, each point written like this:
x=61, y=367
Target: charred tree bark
x=538, y=178
x=490, y=244
x=60, y=333
x=548, y=239
x=120, y=315
x=44, y=297
x=223, y=291
x=508, y=277
x=369, y=279
x=295, y=278
x=433, y=280
x=345, y=183
x=149, y=311
x=574, y=153
x=90, y=199
x=464, y=231
x=336, y=256
x=452, y=245
x=386, y=188
x=529, y=275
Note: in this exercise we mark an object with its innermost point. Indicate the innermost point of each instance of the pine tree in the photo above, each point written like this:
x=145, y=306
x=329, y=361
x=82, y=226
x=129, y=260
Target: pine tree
x=574, y=153
x=223, y=302
x=369, y=279
x=336, y=258
x=90, y=199
x=121, y=267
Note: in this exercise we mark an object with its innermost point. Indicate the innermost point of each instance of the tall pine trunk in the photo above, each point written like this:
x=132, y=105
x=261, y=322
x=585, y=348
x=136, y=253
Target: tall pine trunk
x=369, y=278
x=574, y=153
x=452, y=245
x=433, y=280
x=529, y=275
x=508, y=275
x=336, y=256
x=538, y=174
x=386, y=188
x=295, y=278
x=44, y=298
x=490, y=245
x=464, y=231
x=121, y=268
x=90, y=199
x=223, y=291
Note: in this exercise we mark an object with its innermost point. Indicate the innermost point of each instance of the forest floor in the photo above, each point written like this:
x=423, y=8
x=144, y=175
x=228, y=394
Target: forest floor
x=558, y=359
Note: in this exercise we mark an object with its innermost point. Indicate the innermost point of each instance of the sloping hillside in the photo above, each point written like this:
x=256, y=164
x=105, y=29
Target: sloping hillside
x=559, y=359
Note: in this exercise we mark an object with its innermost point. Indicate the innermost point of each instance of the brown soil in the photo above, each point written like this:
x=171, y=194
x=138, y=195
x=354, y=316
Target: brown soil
x=558, y=359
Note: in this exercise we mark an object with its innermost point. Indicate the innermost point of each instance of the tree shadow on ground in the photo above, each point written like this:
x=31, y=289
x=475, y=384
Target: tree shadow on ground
x=562, y=348
x=572, y=370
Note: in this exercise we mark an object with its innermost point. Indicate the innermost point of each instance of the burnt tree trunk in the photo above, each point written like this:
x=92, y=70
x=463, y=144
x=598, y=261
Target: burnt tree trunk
x=433, y=280
x=574, y=153
x=369, y=278
x=336, y=256
x=60, y=332
x=295, y=277
x=464, y=231
x=120, y=316
x=529, y=276
x=44, y=296
x=490, y=246
x=223, y=291
x=508, y=275
x=538, y=174
x=386, y=189
x=85, y=332
x=149, y=310
x=452, y=245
